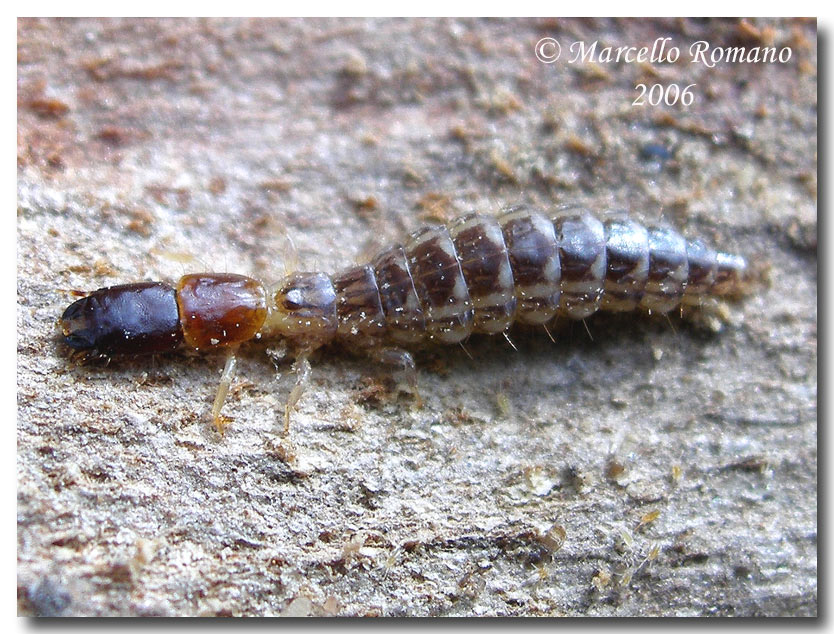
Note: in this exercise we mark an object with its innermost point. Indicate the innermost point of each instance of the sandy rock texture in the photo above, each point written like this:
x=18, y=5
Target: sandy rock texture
x=657, y=468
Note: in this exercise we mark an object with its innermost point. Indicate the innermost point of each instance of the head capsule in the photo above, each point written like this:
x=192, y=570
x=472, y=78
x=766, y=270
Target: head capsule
x=124, y=320
x=302, y=308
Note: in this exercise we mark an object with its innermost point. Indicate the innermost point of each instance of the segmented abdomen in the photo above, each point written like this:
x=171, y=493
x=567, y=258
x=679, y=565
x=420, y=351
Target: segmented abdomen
x=480, y=274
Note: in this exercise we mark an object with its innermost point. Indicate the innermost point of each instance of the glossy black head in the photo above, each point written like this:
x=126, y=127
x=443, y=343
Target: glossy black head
x=124, y=320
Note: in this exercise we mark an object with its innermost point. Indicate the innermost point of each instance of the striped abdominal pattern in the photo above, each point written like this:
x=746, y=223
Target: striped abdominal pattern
x=479, y=274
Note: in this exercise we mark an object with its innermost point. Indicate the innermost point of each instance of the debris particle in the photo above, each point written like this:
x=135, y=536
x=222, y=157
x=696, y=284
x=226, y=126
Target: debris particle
x=649, y=517
x=299, y=606
x=614, y=469
x=601, y=579
x=49, y=108
x=554, y=538
x=677, y=473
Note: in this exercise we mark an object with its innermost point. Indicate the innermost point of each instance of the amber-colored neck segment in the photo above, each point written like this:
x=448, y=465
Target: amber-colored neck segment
x=302, y=309
x=220, y=309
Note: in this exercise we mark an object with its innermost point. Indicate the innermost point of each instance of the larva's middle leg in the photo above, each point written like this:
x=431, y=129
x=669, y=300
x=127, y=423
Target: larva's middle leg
x=402, y=360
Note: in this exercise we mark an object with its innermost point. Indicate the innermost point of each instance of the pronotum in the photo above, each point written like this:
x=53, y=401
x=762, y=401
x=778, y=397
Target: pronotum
x=479, y=274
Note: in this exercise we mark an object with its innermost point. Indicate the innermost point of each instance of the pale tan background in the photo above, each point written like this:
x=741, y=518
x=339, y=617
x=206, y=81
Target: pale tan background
x=149, y=148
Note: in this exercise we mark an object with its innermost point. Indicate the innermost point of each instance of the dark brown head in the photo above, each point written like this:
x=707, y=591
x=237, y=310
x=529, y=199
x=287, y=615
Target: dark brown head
x=124, y=320
x=206, y=310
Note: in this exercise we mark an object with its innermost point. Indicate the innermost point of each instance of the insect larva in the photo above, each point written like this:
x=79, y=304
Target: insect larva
x=479, y=274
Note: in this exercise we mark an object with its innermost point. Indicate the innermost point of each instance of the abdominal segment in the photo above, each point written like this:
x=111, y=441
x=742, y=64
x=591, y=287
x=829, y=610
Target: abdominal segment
x=481, y=274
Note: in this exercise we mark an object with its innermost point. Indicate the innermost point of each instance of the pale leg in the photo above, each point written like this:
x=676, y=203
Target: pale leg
x=219, y=420
x=303, y=370
x=405, y=362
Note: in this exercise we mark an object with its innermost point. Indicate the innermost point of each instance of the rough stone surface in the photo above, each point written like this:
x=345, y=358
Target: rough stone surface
x=656, y=469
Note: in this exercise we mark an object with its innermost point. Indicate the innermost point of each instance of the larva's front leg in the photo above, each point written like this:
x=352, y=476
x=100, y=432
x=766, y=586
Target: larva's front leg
x=220, y=421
